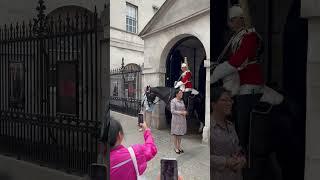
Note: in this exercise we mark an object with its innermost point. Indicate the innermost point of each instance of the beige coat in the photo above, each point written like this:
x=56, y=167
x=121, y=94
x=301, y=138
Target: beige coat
x=223, y=143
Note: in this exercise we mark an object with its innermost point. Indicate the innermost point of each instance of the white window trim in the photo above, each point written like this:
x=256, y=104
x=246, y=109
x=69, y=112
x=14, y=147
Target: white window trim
x=136, y=18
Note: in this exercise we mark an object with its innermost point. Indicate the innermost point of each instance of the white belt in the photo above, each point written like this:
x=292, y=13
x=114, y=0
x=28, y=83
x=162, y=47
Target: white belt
x=250, y=89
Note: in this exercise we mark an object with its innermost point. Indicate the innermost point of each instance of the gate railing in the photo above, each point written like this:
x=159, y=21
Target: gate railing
x=49, y=90
x=129, y=106
x=125, y=92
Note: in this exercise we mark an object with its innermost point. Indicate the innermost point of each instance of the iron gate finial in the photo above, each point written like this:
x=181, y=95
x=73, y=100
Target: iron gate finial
x=39, y=22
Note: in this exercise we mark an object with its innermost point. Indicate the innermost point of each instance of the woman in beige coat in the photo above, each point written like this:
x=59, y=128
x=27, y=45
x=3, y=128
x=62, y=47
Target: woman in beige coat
x=226, y=158
x=178, y=121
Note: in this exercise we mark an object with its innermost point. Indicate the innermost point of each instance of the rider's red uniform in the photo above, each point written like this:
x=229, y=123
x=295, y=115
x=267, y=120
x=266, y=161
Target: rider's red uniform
x=186, y=79
x=252, y=74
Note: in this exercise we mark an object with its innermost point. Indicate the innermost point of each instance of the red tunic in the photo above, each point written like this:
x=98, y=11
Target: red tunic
x=252, y=74
x=186, y=78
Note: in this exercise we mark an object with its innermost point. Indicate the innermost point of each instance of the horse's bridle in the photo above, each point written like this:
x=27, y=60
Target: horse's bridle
x=149, y=92
x=154, y=102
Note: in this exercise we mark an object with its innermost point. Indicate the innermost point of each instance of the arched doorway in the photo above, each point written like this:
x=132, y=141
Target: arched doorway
x=191, y=48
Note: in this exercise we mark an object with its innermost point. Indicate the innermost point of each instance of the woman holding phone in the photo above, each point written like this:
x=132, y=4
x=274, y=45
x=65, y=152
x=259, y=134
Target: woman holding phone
x=129, y=163
x=226, y=158
x=178, y=121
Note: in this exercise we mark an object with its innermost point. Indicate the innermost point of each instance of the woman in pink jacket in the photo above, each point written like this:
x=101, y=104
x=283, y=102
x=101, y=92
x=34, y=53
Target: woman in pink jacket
x=121, y=164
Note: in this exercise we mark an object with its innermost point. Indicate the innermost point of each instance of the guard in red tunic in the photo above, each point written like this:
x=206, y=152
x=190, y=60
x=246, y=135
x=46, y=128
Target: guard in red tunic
x=186, y=77
x=185, y=83
x=245, y=49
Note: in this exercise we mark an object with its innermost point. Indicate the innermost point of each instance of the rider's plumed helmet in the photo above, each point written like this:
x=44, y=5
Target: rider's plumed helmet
x=184, y=65
x=235, y=11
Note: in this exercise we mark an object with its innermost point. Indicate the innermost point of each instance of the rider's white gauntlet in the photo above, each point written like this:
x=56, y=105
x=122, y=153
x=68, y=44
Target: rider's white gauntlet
x=221, y=71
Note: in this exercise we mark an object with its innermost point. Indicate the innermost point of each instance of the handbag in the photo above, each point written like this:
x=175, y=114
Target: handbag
x=134, y=160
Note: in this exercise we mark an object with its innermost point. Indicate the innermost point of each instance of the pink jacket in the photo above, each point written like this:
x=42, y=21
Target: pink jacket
x=121, y=165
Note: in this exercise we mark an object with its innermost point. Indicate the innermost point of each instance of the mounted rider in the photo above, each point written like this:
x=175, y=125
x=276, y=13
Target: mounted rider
x=247, y=85
x=185, y=82
x=242, y=73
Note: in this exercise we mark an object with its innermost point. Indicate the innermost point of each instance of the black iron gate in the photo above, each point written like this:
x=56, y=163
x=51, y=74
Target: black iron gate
x=49, y=90
x=125, y=89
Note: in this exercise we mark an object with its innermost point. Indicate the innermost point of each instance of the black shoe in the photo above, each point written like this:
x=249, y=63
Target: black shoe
x=175, y=150
x=181, y=151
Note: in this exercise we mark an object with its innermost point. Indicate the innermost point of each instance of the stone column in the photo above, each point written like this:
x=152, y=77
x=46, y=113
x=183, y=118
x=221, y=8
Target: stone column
x=312, y=162
x=310, y=10
x=104, y=80
x=206, y=129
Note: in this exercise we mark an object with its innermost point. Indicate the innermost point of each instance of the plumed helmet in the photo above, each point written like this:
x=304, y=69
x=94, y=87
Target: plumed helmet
x=235, y=11
x=184, y=65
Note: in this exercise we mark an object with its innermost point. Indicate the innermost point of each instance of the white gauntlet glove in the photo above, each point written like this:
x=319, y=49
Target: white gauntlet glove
x=221, y=71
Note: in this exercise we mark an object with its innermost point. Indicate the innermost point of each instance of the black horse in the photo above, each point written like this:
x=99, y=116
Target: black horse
x=195, y=103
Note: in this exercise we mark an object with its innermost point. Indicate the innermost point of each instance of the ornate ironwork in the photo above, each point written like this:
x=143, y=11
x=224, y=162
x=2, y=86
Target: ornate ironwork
x=40, y=27
x=126, y=89
x=33, y=60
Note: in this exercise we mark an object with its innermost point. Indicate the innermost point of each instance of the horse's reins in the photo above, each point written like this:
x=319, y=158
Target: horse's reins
x=157, y=101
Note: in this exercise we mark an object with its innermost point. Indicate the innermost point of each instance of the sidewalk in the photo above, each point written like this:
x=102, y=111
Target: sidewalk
x=13, y=169
x=193, y=164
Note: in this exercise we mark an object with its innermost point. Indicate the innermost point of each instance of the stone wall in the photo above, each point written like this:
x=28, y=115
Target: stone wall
x=125, y=44
x=312, y=164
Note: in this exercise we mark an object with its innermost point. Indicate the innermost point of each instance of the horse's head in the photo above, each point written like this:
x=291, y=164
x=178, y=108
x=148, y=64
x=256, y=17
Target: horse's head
x=151, y=97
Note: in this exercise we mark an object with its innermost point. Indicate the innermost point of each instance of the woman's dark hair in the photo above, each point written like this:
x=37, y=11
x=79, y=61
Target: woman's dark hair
x=216, y=93
x=114, y=129
x=176, y=91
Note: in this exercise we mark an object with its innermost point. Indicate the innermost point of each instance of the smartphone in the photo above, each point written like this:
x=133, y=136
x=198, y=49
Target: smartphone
x=169, y=169
x=140, y=118
x=98, y=171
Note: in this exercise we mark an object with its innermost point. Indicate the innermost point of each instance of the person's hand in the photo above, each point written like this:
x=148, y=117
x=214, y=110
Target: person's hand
x=239, y=166
x=184, y=113
x=232, y=162
x=143, y=125
x=241, y=162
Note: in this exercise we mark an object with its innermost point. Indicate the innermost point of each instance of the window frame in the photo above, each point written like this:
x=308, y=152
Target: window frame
x=129, y=5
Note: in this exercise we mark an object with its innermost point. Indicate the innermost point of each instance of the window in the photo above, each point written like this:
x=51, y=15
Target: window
x=155, y=8
x=131, y=18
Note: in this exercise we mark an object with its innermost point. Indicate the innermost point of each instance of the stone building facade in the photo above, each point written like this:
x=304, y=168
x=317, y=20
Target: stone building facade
x=125, y=42
x=180, y=29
